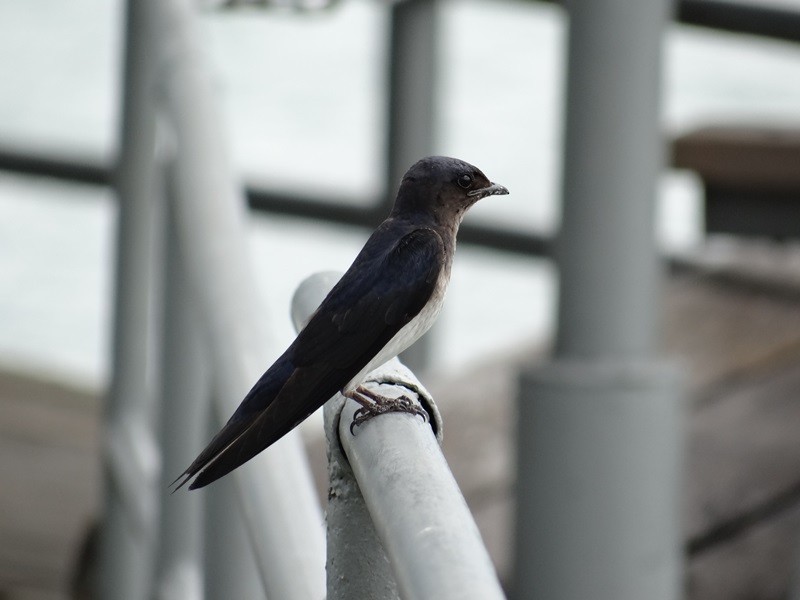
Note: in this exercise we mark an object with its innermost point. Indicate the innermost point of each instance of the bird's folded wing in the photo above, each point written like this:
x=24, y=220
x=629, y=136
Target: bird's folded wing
x=372, y=303
x=376, y=297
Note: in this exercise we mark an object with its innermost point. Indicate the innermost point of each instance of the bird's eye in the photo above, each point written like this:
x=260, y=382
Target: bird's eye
x=465, y=181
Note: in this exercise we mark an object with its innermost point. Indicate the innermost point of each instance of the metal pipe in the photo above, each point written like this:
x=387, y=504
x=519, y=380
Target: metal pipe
x=185, y=404
x=420, y=517
x=275, y=490
x=127, y=532
x=599, y=437
x=599, y=448
x=68, y=167
x=230, y=569
x=364, y=212
x=357, y=565
x=606, y=252
x=775, y=22
x=411, y=90
x=411, y=98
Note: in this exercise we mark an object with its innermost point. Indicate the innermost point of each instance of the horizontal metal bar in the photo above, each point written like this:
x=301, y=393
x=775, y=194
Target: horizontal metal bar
x=330, y=209
x=44, y=164
x=775, y=22
x=369, y=214
x=737, y=17
x=339, y=211
x=507, y=240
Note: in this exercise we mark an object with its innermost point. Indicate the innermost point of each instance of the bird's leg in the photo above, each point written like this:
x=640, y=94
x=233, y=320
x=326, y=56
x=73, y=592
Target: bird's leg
x=373, y=405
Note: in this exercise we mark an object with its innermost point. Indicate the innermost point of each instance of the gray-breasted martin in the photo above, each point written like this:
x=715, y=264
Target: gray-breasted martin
x=386, y=300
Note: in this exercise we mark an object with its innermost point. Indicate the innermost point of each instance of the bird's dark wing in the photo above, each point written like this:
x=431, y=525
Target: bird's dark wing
x=387, y=285
x=372, y=302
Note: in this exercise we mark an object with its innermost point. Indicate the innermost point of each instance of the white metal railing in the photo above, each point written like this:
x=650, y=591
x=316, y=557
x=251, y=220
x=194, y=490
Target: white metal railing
x=392, y=496
x=131, y=469
x=276, y=493
x=206, y=244
x=184, y=265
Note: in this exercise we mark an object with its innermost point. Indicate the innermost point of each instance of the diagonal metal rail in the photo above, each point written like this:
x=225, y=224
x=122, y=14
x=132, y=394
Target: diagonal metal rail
x=171, y=101
x=398, y=525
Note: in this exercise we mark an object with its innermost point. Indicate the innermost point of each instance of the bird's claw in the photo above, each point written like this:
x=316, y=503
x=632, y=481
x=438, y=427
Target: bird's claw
x=382, y=405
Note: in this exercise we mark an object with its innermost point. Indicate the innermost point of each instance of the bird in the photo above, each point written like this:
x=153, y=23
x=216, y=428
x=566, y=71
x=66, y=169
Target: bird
x=386, y=300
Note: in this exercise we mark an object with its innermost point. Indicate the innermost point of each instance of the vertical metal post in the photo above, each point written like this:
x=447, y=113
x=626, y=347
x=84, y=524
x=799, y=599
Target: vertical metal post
x=413, y=65
x=600, y=428
x=613, y=153
x=230, y=569
x=131, y=474
x=357, y=566
x=413, y=62
x=410, y=534
x=185, y=403
x=275, y=490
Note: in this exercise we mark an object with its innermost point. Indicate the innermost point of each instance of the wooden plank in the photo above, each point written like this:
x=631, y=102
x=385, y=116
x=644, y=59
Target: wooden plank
x=756, y=157
x=722, y=332
x=744, y=452
x=757, y=565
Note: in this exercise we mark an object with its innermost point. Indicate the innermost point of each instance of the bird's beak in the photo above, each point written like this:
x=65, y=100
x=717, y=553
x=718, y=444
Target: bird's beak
x=495, y=189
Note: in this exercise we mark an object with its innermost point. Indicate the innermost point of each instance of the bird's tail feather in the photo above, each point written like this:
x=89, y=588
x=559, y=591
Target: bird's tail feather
x=258, y=399
x=218, y=445
x=257, y=437
x=267, y=414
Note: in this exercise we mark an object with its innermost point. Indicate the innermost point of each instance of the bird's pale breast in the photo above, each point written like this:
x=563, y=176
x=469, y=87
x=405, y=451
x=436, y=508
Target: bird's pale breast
x=411, y=331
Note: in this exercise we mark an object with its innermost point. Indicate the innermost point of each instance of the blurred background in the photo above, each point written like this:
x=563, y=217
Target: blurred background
x=304, y=102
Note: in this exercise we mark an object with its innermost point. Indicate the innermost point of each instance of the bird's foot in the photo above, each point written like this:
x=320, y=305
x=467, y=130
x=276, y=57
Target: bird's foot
x=373, y=405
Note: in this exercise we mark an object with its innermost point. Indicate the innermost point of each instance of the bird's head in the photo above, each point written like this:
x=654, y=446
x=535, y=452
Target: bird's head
x=443, y=188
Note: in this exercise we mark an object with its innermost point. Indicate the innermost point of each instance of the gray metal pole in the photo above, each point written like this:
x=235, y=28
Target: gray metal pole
x=185, y=404
x=413, y=62
x=419, y=515
x=275, y=490
x=411, y=96
x=599, y=450
x=613, y=154
x=357, y=565
x=127, y=535
x=599, y=431
x=231, y=572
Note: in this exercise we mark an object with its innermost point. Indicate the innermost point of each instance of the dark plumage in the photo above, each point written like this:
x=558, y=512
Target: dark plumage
x=387, y=299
